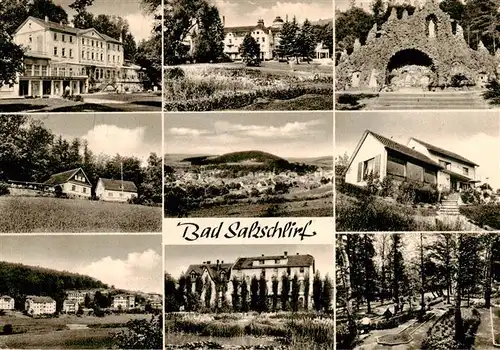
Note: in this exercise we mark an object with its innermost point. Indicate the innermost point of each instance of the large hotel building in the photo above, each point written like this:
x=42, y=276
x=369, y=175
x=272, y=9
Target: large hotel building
x=61, y=58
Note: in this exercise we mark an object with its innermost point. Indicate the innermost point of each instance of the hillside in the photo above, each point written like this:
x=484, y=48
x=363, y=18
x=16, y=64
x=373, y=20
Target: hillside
x=242, y=157
x=18, y=280
x=325, y=162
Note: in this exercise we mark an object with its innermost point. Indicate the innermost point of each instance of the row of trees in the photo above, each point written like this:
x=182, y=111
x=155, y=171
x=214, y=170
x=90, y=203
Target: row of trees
x=374, y=268
x=29, y=151
x=293, y=295
x=479, y=18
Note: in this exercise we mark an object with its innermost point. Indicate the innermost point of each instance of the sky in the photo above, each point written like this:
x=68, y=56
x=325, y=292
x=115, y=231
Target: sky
x=141, y=23
x=248, y=12
x=179, y=257
x=474, y=135
x=127, y=134
x=282, y=134
x=132, y=262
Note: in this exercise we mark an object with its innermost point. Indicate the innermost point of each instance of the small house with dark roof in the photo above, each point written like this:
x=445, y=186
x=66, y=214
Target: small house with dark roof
x=115, y=190
x=73, y=183
x=418, y=162
x=6, y=302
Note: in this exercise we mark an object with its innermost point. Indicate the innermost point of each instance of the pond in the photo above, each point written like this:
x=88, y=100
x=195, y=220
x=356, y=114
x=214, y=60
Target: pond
x=179, y=339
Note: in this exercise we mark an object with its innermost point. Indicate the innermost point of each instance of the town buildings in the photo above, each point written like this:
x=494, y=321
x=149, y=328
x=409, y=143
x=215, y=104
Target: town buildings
x=419, y=161
x=115, y=190
x=62, y=59
x=6, y=302
x=39, y=305
x=70, y=306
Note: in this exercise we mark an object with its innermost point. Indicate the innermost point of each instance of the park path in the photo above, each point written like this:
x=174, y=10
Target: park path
x=483, y=335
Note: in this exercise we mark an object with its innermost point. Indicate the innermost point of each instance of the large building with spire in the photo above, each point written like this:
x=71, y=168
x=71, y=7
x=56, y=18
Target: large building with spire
x=62, y=59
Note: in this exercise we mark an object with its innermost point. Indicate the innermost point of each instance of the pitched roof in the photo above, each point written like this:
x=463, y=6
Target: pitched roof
x=116, y=185
x=439, y=150
x=407, y=151
x=6, y=297
x=66, y=28
x=65, y=176
x=245, y=29
x=212, y=270
x=292, y=261
x=38, y=299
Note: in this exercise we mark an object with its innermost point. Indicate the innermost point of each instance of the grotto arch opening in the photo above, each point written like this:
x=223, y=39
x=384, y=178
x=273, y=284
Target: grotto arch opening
x=409, y=69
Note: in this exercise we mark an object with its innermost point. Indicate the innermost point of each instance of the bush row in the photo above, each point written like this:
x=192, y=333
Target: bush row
x=241, y=99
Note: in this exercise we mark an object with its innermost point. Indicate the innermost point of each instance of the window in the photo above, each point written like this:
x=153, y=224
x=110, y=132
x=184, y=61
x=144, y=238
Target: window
x=445, y=164
x=276, y=261
x=84, y=190
x=73, y=188
x=92, y=55
x=31, y=39
x=396, y=166
x=430, y=176
x=263, y=273
x=110, y=194
x=70, y=39
x=257, y=39
x=301, y=270
x=121, y=194
x=263, y=39
x=55, y=36
x=101, y=45
x=108, y=46
x=64, y=38
x=83, y=54
x=71, y=74
x=44, y=71
x=92, y=41
x=28, y=70
x=83, y=41
x=88, y=55
x=113, y=58
x=262, y=262
x=108, y=58
x=230, y=41
x=55, y=51
x=101, y=56
x=465, y=170
x=63, y=52
x=368, y=167
x=288, y=271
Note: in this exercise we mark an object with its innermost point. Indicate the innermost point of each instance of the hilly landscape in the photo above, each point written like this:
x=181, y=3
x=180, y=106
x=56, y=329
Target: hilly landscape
x=18, y=280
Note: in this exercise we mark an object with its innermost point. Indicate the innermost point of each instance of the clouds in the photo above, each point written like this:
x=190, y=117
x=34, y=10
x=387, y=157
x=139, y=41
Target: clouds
x=112, y=139
x=306, y=138
x=139, y=271
x=239, y=13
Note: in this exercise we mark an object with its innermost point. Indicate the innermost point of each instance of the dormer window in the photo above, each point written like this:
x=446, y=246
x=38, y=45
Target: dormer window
x=465, y=171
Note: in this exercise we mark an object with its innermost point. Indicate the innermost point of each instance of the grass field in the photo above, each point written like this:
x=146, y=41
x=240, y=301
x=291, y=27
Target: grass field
x=53, y=333
x=41, y=214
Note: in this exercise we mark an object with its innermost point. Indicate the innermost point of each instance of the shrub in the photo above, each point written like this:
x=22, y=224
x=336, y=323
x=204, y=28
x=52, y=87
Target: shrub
x=174, y=73
x=386, y=187
x=7, y=329
x=4, y=189
x=493, y=91
x=486, y=214
x=348, y=99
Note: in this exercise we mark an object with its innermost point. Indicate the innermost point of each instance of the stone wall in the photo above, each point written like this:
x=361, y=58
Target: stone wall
x=367, y=66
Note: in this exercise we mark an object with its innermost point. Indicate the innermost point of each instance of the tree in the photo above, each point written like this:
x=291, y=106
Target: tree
x=151, y=186
x=288, y=40
x=208, y=293
x=244, y=296
x=254, y=294
x=87, y=301
x=459, y=331
x=235, y=297
x=11, y=59
x=42, y=8
x=275, y=288
x=209, y=40
x=141, y=334
x=295, y=293
x=12, y=14
x=341, y=164
x=149, y=57
x=378, y=10
x=250, y=51
x=285, y=292
x=368, y=252
x=441, y=250
x=306, y=41
x=182, y=290
x=262, y=304
x=454, y=8
x=82, y=19
x=480, y=18
x=317, y=291
x=327, y=294
x=350, y=25
x=397, y=269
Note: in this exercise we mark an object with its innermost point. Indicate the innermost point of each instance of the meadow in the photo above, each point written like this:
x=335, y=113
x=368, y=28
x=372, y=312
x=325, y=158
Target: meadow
x=302, y=330
x=43, y=214
x=219, y=87
x=56, y=333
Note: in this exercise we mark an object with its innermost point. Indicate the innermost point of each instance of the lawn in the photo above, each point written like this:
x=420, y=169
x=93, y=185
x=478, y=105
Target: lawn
x=53, y=333
x=42, y=214
x=230, y=87
x=107, y=102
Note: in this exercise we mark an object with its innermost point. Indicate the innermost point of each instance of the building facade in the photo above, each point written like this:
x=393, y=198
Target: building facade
x=123, y=302
x=6, y=302
x=61, y=59
x=73, y=183
x=70, y=306
x=380, y=157
x=36, y=305
x=115, y=190
x=218, y=277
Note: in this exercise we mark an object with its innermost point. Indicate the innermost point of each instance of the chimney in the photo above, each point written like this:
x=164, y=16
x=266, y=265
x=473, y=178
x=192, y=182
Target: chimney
x=287, y=17
x=222, y=262
x=223, y=21
x=297, y=253
x=260, y=22
x=286, y=253
x=262, y=255
x=217, y=261
x=47, y=19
